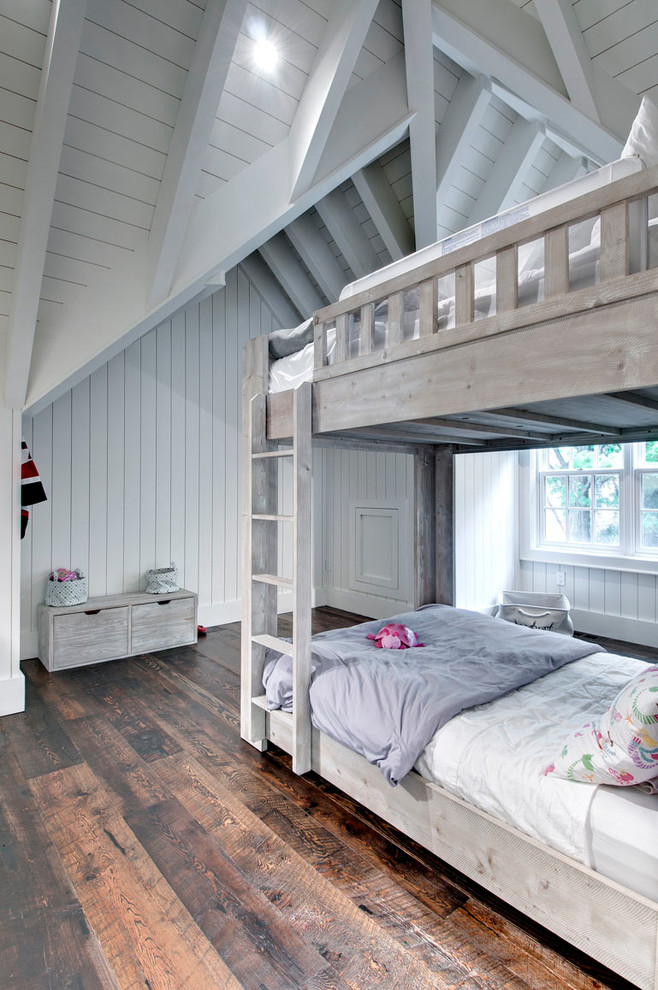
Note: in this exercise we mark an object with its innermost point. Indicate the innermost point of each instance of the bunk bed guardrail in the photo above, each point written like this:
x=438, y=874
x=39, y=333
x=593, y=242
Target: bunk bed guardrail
x=450, y=282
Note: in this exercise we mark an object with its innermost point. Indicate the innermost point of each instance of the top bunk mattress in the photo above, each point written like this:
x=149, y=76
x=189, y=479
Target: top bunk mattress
x=544, y=201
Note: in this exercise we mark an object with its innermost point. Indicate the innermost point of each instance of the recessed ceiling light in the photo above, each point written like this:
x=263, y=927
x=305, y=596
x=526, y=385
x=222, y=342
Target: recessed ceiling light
x=265, y=54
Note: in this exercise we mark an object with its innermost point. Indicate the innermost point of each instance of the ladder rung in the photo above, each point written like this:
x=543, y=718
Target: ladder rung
x=261, y=701
x=273, y=579
x=273, y=453
x=274, y=643
x=268, y=517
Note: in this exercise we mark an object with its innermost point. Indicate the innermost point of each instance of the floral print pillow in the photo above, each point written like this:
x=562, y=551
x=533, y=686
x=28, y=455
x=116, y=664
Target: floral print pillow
x=619, y=747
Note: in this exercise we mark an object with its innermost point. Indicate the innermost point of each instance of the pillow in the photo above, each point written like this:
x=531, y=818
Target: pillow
x=643, y=139
x=285, y=342
x=619, y=747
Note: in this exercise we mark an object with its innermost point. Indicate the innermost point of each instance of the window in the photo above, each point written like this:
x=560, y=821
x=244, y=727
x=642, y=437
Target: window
x=599, y=500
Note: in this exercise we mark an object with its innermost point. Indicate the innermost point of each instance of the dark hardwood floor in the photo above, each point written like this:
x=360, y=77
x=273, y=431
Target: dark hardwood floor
x=143, y=844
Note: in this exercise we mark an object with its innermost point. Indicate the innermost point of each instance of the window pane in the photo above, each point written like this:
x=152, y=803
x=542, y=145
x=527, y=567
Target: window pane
x=559, y=458
x=606, y=489
x=583, y=457
x=650, y=529
x=610, y=455
x=580, y=526
x=580, y=490
x=556, y=490
x=650, y=491
x=606, y=527
x=647, y=453
x=555, y=526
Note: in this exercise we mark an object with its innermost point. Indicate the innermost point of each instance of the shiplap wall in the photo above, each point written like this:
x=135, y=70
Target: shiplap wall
x=485, y=527
x=621, y=604
x=141, y=462
x=380, y=479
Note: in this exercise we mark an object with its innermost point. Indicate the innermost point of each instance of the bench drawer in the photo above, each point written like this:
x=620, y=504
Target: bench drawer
x=163, y=623
x=88, y=637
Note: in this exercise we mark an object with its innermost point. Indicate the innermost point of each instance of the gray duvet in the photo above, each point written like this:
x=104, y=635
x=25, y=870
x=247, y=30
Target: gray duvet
x=387, y=704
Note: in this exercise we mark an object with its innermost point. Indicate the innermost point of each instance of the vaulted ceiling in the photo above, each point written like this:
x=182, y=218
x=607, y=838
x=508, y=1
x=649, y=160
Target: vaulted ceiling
x=143, y=153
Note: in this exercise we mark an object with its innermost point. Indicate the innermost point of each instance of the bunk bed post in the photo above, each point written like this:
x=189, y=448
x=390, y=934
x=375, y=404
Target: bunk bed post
x=302, y=578
x=444, y=515
x=259, y=604
x=424, y=526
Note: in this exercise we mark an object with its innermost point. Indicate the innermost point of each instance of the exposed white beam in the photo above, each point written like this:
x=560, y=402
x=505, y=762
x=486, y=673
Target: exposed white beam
x=386, y=213
x=348, y=233
x=66, y=23
x=457, y=130
x=291, y=276
x=568, y=46
x=204, y=84
x=227, y=226
x=496, y=38
x=510, y=170
x=419, y=51
x=311, y=245
x=326, y=86
x=270, y=291
x=565, y=169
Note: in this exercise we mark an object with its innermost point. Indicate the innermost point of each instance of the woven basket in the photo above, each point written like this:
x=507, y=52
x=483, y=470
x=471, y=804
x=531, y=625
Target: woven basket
x=66, y=592
x=162, y=580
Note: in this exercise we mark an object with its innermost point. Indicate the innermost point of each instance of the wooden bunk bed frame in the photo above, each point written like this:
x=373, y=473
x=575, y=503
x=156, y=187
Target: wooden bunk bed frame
x=582, y=367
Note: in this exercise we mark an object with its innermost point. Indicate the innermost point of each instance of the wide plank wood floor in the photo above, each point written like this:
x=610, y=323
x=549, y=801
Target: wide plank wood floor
x=143, y=844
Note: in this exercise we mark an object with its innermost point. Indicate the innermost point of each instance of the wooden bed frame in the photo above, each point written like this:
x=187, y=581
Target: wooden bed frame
x=592, y=349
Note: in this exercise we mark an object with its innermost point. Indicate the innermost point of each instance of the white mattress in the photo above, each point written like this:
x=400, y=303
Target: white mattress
x=494, y=755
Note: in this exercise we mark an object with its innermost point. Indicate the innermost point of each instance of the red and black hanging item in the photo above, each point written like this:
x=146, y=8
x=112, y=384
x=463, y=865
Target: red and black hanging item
x=32, y=490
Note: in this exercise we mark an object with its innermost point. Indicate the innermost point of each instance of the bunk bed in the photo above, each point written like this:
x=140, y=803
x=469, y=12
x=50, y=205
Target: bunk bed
x=416, y=358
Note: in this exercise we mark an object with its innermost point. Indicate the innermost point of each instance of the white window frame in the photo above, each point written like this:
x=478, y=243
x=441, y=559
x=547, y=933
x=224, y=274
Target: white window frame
x=626, y=557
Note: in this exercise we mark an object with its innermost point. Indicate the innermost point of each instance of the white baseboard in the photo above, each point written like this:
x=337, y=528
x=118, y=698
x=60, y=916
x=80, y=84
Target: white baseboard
x=221, y=613
x=12, y=695
x=368, y=605
x=616, y=627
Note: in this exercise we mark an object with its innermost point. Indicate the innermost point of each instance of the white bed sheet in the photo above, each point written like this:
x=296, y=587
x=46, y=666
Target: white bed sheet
x=494, y=755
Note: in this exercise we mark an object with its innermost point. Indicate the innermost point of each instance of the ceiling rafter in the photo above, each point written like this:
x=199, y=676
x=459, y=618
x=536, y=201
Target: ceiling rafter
x=291, y=276
x=204, y=85
x=532, y=416
x=510, y=170
x=417, y=23
x=633, y=399
x=325, y=88
x=457, y=130
x=568, y=46
x=510, y=45
x=230, y=224
x=386, y=213
x=566, y=169
x=311, y=245
x=66, y=23
x=348, y=233
x=267, y=287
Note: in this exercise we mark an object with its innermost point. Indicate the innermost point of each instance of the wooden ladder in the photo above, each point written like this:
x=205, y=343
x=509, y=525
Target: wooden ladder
x=261, y=581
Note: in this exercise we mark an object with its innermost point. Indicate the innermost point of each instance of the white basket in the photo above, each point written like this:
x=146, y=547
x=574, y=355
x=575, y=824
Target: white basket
x=66, y=592
x=162, y=580
x=536, y=610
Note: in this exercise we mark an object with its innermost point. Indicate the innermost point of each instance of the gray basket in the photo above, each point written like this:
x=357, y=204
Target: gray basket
x=162, y=580
x=536, y=610
x=60, y=593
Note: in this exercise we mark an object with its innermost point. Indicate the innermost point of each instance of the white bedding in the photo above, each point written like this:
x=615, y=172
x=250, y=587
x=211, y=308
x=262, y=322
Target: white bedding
x=494, y=755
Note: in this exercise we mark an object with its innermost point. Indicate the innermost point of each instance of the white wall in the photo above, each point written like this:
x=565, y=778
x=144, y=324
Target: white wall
x=141, y=462
x=12, y=682
x=358, y=485
x=485, y=527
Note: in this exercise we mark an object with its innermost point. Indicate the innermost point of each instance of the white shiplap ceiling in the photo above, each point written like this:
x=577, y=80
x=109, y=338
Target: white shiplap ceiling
x=142, y=152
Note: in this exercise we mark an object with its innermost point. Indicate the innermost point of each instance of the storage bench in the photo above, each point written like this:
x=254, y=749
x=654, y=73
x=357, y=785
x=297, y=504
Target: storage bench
x=115, y=626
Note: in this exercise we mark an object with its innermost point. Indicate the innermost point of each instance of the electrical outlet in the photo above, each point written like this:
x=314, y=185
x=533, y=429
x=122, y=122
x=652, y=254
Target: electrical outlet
x=560, y=579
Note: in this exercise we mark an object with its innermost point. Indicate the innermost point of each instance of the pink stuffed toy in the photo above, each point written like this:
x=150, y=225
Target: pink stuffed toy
x=395, y=637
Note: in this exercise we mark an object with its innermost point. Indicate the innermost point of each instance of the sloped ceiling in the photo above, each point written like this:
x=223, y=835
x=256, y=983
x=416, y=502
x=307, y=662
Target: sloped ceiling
x=143, y=153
